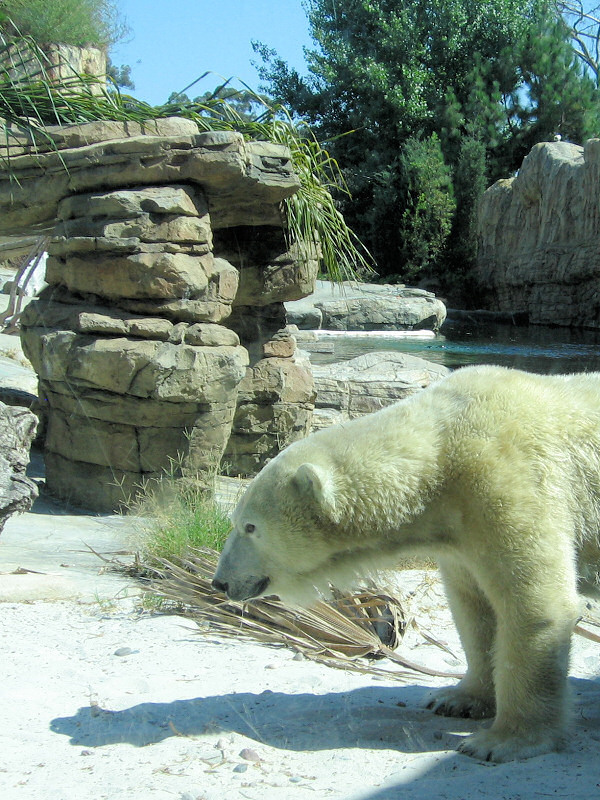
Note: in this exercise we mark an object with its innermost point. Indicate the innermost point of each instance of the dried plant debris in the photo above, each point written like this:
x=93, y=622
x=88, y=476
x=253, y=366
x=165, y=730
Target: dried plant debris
x=339, y=632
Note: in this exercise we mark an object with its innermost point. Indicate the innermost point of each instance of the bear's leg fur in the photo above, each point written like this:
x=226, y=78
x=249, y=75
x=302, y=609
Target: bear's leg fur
x=535, y=617
x=475, y=620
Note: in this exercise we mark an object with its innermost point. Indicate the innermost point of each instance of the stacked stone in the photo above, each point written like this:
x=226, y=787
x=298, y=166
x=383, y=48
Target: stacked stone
x=137, y=356
x=135, y=370
x=276, y=397
x=275, y=407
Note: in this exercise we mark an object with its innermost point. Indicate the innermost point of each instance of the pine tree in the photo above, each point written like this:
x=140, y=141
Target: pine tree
x=488, y=78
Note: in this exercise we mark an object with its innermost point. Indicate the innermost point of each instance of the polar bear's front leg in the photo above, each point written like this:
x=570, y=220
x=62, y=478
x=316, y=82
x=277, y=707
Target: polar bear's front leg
x=474, y=617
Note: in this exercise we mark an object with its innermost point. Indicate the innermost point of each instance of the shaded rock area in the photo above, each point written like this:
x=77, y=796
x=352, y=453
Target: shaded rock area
x=275, y=408
x=539, y=234
x=17, y=491
x=367, y=383
x=276, y=396
x=352, y=307
x=134, y=342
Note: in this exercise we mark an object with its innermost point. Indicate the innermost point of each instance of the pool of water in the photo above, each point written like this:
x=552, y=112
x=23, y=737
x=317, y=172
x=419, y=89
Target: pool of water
x=533, y=348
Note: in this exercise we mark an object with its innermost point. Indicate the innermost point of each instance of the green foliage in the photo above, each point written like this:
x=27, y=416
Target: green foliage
x=75, y=22
x=312, y=215
x=246, y=103
x=469, y=182
x=176, y=516
x=488, y=77
x=120, y=76
x=427, y=216
x=31, y=100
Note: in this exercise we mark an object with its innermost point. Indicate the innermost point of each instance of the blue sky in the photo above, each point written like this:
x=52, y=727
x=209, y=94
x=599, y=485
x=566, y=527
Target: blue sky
x=172, y=43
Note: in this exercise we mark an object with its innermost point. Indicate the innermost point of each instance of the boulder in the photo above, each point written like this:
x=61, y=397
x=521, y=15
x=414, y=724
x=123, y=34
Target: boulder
x=17, y=491
x=367, y=383
x=538, y=237
x=352, y=306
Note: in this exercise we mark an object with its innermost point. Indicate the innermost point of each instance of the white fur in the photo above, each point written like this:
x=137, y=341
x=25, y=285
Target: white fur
x=494, y=472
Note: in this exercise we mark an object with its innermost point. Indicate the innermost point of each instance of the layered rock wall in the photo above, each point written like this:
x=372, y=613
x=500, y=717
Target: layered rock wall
x=539, y=237
x=157, y=235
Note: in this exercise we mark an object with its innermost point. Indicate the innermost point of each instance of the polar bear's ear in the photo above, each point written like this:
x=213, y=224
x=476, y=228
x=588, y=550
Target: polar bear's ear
x=315, y=483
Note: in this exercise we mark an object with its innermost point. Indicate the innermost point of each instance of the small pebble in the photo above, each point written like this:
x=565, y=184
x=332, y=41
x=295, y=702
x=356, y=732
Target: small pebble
x=123, y=651
x=295, y=779
x=438, y=735
x=249, y=755
x=240, y=768
x=298, y=657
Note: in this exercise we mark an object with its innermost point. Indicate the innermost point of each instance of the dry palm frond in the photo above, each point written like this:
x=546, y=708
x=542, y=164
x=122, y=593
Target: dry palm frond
x=337, y=632
x=587, y=634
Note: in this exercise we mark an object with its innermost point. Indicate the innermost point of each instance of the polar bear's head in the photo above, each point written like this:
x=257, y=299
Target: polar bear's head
x=285, y=539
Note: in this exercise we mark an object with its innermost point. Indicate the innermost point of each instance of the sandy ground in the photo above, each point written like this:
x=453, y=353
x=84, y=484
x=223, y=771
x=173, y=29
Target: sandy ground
x=101, y=700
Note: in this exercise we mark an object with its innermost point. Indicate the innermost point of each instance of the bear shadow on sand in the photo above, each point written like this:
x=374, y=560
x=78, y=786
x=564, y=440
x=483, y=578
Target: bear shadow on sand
x=571, y=773
x=371, y=717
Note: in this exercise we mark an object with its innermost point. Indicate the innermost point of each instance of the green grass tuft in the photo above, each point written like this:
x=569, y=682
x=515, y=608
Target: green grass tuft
x=175, y=516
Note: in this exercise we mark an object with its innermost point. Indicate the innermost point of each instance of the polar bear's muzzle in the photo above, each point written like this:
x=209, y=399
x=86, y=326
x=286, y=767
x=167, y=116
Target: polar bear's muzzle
x=241, y=591
x=240, y=574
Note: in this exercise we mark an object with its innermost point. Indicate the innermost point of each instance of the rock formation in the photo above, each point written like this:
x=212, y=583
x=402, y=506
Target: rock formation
x=350, y=306
x=158, y=234
x=63, y=64
x=275, y=407
x=538, y=237
x=367, y=383
x=160, y=343
x=17, y=491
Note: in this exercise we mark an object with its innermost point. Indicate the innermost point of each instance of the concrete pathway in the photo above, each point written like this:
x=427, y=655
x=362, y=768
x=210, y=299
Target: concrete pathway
x=46, y=553
x=53, y=552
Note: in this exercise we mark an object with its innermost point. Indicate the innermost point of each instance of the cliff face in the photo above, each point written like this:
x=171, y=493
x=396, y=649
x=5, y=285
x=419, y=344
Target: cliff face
x=539, y=237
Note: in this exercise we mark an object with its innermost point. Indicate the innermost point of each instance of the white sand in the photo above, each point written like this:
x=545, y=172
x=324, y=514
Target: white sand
x=193, y=715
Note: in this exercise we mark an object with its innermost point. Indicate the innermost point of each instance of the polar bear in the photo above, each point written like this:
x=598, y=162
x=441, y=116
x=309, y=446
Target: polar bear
x=494, y=472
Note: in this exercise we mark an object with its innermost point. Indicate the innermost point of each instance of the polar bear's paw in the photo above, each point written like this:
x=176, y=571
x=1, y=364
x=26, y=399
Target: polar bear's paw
x=489, y=745
x=459, y=702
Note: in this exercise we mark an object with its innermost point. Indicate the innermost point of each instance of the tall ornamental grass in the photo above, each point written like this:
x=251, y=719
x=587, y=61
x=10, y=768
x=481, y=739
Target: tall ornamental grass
x=30, y=101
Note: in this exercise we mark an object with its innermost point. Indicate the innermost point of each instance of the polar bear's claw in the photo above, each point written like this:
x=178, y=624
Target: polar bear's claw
x=455, y=702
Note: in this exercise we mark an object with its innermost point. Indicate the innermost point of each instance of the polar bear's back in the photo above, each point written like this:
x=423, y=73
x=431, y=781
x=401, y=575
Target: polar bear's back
x=538, y=436
x=556, y=405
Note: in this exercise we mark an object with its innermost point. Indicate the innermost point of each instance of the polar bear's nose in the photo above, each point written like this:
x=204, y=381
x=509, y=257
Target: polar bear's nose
x=220, y=586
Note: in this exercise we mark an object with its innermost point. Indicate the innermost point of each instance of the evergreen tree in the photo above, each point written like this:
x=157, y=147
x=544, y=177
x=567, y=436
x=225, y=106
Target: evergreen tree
x=487, y=78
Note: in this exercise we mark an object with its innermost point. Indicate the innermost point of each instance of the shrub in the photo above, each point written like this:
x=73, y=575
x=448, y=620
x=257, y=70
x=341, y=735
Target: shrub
x=75, y=22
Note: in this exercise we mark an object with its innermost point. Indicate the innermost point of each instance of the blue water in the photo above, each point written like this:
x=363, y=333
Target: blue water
x=533, y=348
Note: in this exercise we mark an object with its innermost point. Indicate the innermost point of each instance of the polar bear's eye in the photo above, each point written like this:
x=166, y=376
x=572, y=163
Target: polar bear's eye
x=249, y=527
